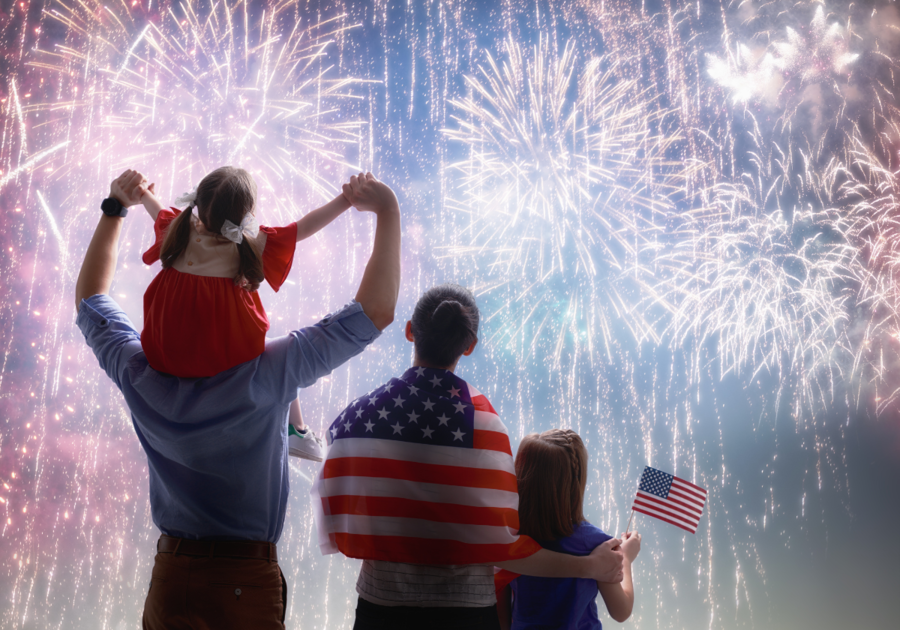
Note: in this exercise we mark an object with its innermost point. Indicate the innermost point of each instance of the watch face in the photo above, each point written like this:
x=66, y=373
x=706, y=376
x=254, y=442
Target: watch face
x=111, y=207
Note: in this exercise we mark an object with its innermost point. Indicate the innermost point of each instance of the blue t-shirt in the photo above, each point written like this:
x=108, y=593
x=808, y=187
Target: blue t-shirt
x=217, y=447
x=547, y=603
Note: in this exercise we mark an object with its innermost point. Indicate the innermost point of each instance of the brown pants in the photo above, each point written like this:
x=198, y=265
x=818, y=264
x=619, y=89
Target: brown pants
x=191, y=593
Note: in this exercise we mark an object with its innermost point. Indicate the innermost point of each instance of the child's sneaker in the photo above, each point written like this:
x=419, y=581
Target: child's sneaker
x=304, y=445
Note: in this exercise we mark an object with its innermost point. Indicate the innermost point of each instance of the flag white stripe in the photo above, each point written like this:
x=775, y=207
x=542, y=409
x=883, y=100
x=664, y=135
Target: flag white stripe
x=418, y=528
x=700, y=495
x=691, y=524
x=688, y=499
x=487, y=421
x=422, y=454
x=656, y=502
x=417, y=491
x=653, y=498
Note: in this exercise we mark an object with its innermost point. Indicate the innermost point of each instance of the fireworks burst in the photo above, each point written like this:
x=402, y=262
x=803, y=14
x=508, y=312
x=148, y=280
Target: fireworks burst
x=796, y=260
x=821, y=54
x=189, y=90
x=567, y=180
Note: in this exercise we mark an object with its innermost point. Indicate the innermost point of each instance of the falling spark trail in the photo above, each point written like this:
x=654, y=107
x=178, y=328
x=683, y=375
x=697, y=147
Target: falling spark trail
x=53, y=226
x=30, y=163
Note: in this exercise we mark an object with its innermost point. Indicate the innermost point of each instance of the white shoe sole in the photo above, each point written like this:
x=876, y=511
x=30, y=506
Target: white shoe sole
x=304, y=449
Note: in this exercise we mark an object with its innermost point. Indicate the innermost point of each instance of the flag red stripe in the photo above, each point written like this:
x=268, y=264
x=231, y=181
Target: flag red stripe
x=409, y=508
x=661, y=505
x=431, y=551
x=688, y=483
x=670, y=499
x=502, y=579
x=669, y=521
x=492, y=441
x=423, y=473
x=483, y=404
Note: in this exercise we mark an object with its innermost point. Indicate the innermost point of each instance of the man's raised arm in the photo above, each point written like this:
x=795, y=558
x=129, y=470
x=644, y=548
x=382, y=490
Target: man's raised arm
x=99, y=265
x=380, y=285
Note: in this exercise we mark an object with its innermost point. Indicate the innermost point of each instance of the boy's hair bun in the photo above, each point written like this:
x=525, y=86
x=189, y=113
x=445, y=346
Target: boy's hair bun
x=445, y=314
x=444, y=324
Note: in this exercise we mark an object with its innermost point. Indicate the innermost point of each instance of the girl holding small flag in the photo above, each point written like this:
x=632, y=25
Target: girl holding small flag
x=551, y=468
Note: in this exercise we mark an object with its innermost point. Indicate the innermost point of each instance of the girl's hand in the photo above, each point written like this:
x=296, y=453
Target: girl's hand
x=631, y=545
x=367, y=194
x=128, y=188
x=149, y=195
x=151, y=202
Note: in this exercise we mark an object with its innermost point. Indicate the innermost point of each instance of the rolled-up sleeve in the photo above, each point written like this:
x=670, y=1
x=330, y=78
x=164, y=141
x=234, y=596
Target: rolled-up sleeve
x=305, y=355
x=109, y=333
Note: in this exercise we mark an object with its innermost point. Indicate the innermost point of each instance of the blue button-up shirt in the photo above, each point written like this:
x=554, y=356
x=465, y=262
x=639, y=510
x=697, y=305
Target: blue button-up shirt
x=217, y=447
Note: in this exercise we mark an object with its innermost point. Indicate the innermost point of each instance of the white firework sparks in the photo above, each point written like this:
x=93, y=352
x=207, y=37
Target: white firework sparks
x=567, y=180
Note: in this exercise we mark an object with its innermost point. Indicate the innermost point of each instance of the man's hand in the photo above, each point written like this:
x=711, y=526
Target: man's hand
x=632, y=545
x=367, y=194
x=128, y=188
x=608, y=560
x=380, y=283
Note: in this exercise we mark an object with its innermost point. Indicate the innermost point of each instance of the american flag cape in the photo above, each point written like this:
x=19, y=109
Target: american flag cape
x=420, y=471
x=670, y=499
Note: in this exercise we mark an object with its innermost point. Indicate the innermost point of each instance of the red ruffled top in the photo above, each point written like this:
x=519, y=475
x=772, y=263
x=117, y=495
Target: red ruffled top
x=200, y=324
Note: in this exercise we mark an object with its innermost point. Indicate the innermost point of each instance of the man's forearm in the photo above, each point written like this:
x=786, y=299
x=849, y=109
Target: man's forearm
x=546, y=563
x=380, y=285
x=99, y=265
x=316, y=219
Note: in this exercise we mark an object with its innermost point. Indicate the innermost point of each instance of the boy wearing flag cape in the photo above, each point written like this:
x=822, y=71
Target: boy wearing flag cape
x=419, y=483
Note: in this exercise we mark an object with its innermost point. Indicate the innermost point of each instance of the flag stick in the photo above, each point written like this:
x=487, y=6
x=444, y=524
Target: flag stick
x=629, y=522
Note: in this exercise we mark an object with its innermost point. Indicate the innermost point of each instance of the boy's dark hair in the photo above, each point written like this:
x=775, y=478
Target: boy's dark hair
x=551, y=470
x=226, y=194
x=444, y=324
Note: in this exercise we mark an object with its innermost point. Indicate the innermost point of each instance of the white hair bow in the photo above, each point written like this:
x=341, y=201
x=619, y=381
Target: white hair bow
x=236, y=233
x=187, y=199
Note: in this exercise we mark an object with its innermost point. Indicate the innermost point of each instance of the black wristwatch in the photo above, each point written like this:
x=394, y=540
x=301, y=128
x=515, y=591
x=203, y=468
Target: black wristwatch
x=112, y=207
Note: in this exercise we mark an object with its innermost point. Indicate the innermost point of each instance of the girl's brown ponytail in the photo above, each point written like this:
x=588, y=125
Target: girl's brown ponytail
x=177, y=236
x=250, y=269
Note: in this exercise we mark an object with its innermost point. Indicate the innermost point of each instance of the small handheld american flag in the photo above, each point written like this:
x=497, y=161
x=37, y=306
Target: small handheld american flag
x=670, y=499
